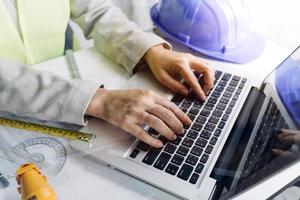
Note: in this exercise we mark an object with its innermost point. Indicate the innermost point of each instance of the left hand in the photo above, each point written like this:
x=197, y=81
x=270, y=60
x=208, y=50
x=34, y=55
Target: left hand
x=167, y=66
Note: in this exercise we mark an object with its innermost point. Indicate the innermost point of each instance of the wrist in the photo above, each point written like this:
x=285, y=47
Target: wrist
x=153, y=51
x=96, y=105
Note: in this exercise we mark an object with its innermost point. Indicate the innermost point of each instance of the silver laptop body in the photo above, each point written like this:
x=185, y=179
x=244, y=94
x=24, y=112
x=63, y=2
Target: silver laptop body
x=217, y=177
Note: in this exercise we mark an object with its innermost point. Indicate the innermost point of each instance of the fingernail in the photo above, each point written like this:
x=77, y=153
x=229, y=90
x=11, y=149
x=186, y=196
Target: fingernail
x=174, y=137
x=203, y=97
x=184, y=91
x=159, y=144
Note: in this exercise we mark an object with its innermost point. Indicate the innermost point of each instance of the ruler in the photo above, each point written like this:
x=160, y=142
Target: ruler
x=74, y=135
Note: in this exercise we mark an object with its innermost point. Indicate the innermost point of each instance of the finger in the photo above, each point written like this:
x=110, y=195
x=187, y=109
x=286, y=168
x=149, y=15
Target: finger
x=172, y=107
x=207, y=74
x=141, y=134
x=278, y=152
x=173, y=84
x=290, y=139
x=289, y=132
x=159, y=125
x=191, y=79
x=168, y=117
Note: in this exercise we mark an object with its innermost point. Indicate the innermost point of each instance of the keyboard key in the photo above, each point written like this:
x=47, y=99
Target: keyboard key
x=177, y=159
x=143, y=146
x=225, y=117
x=214, y=119
x=244, y=80
x=191, y=160
x=217, y=132
x=185, y=172
x=221, y=125
x=198, y=104
x=199, y=168
x=197, y=151
x=216, y=94
x=219, y=88
x=194, y=178
x=232, y=103
x=227, y=94
x=209, y=106
x=230, y=88
x=176, y=141
x=151, y=156
x=186, y=104
x=183, y=109
x=217, y=113
x=213, y=140
x=229, y=110
x=235, y=97
x=188, y=142
x=223, y=83
x=218, y=74
x=194, y=111
x=192, y=134
x=204, y=158
x=212, y=100
x=233, y=83
x=205, y=134
x=226, y=77
x=177, y=99
x=172, y=169
x=182, y=150
x=224, y=100
x=191, y=97
x=170, y=148
x=192, y=117
x=162, y=161
x=241, y=86
x=209, y=149
x=238, y=91
x=197, y=126
x=201, y=119
x=221, y=106
x=210, y=127
x=134, y=153
x=201, y=142
x=236, y=78
x=205, y=112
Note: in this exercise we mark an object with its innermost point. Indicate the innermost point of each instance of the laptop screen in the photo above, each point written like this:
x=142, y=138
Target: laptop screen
x=266, y=136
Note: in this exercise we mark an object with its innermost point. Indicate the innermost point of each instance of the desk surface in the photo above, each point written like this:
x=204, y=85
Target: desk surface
x=84, y=178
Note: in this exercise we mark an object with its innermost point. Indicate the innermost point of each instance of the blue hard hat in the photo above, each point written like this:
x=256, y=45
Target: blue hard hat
x=216, y=28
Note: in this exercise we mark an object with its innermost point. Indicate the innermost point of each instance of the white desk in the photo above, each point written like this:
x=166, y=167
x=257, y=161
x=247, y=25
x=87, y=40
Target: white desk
x=82, y=178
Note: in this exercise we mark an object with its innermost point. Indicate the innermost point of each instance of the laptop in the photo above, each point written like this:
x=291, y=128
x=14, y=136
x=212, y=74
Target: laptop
x=234, y=145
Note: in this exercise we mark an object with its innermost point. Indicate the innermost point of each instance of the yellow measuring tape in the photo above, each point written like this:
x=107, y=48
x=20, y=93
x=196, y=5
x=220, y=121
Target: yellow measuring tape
x=75, y=135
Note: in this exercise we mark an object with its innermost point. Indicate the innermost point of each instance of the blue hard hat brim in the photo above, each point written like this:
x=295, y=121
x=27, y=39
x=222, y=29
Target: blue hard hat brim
x=251, y=48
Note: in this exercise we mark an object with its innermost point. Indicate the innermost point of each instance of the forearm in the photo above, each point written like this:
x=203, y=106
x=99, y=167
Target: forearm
x=114, y=34
x=42, y=95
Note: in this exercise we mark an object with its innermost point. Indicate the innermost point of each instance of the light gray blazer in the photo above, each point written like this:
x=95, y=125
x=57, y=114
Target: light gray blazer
x=44, y=96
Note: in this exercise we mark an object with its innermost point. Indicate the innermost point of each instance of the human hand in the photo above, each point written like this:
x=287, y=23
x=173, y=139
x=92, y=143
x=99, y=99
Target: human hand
x=167, y=66
x=130, y=109
x=287, y=138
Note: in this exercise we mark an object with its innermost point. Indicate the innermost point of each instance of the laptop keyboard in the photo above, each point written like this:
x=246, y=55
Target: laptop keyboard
x=187, y=156
x=265, y=139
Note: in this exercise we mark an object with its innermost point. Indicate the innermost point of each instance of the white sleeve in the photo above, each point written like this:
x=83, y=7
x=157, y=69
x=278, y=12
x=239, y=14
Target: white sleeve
x=43, y=95
x=114, y=34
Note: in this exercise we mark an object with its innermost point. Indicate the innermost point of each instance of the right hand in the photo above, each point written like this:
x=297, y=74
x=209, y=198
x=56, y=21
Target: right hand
x=130, y=109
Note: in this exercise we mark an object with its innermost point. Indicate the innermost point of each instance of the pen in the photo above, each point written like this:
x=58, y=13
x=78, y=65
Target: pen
x=73, y=67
